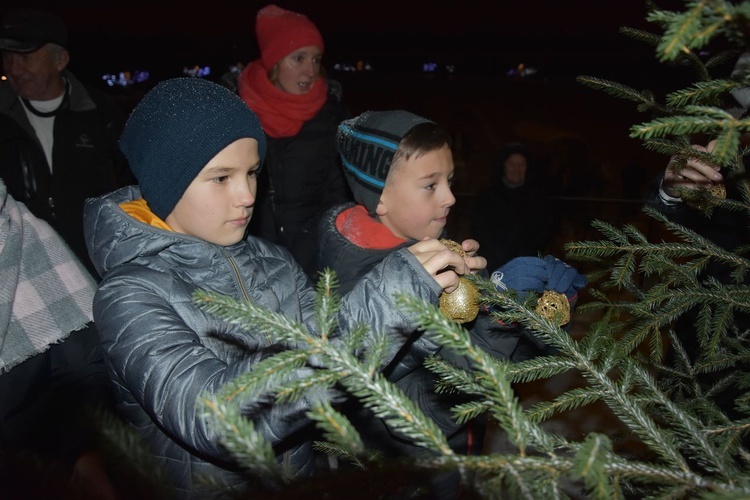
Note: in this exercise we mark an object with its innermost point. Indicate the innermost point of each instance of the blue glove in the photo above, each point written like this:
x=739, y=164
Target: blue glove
x=532, y=274
x=523, y=274
x=563, y=278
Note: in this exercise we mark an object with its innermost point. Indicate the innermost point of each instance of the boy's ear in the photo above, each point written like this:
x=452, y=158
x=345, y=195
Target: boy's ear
x=381, y=209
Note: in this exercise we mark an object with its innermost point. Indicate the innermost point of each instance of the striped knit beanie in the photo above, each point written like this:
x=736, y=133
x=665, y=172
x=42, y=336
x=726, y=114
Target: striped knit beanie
x=367, y=144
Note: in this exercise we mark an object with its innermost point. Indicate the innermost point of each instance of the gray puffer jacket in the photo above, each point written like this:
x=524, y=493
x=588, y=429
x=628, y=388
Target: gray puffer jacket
x=163, y=352
x=352, y=262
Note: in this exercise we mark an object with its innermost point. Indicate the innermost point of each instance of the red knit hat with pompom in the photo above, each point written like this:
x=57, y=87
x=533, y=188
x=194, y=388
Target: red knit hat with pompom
x=280, y=32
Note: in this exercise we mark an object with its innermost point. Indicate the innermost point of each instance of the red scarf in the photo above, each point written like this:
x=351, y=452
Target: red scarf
x=362, y=230
x=282, y=114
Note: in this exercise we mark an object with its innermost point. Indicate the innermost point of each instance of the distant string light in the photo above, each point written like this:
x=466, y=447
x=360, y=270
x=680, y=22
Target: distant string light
x=430, y=67
x=197, y=71
x=359, y=66
x=125, y=78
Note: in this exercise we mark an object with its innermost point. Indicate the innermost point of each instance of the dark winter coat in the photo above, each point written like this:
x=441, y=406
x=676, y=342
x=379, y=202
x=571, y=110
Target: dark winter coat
x=302, y=177
x=86, y=159
x=512, y=222
x=46, y=398
x=163, y=352
x=730, y=230
x=726, y=228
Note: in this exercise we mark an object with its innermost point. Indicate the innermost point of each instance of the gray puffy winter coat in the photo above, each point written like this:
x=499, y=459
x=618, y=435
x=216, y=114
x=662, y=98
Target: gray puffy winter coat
x=407, y=371
x=163, y=352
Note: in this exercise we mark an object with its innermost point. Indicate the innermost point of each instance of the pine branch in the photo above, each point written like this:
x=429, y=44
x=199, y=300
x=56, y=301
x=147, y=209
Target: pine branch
x=644, y=99
x=492, y=373
x=641, y=36
x=250, y=448
x=686, y=125
x=702, y=93
x=685, y=31
x=333, y=365
x=338, y=431
x=692, y=447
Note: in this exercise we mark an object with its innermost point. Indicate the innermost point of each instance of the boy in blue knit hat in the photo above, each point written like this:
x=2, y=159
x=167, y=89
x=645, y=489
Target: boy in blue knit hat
x=400, y=169
x=196, y=149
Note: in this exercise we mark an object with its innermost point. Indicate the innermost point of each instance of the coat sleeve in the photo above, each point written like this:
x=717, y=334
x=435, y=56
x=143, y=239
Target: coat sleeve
x=162, y=365
x=337, y=189
x=371, y=302
x=679, y=212
x=45, y=399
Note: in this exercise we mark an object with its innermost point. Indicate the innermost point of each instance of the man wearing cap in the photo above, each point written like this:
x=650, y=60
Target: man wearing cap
x=58, y=138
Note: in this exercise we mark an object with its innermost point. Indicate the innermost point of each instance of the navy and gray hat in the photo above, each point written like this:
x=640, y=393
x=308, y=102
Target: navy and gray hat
x=367, y=144
x=25, y=30
x=176, y=129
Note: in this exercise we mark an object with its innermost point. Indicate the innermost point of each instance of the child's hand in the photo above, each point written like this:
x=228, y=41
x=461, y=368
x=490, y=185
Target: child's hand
x=442, y=264
x=475, y=262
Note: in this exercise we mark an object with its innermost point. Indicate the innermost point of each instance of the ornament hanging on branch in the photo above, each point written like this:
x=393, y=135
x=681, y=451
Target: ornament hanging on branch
x=462, y=304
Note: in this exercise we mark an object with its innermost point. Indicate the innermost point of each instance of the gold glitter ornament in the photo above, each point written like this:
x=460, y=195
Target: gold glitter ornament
x=461, y=305
x=554, y=306
x=717, y=189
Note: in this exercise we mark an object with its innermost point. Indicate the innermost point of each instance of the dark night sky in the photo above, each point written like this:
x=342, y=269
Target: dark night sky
x=502, y=32
x=563, y=38
x=221, y=17
x=467, y=26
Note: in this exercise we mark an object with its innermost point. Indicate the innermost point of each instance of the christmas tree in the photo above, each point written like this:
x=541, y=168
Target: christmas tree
x=690, y=442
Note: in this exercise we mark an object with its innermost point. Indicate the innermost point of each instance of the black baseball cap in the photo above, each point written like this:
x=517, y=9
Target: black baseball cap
x=25, y=30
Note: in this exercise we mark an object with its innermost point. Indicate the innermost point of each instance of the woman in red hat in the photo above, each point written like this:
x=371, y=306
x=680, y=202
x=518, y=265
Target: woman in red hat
x=300, y=111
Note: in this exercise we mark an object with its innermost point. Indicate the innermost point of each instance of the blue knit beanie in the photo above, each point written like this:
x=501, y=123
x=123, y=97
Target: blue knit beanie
x=176, y=129
x=367, y=144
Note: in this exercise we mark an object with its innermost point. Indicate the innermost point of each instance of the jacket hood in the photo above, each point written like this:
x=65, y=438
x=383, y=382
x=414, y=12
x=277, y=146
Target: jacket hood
x=115, y=238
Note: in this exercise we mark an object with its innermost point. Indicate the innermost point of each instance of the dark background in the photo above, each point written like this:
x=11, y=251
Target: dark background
x=569, y=126
x=480, y=101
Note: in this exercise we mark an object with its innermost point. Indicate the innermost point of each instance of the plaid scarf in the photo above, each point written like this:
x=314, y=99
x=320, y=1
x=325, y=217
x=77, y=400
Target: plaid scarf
x=45, y=292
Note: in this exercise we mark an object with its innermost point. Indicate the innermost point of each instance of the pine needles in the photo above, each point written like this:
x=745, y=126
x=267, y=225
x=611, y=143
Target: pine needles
x=639, y=289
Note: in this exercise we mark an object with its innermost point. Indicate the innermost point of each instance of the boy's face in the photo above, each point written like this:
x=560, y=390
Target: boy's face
x=417, y=196
x=218, y=204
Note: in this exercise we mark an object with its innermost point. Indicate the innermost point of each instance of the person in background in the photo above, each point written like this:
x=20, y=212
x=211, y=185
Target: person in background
x=724, y=227
x=52, y=373
x=58, y=137
x=400, y=169
x=196, y=149
x=513, y=216
x=300, y=110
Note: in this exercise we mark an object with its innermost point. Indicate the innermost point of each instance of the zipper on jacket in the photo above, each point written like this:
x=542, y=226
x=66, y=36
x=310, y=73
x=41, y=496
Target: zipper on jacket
x=241, y=285
x=285, y=456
